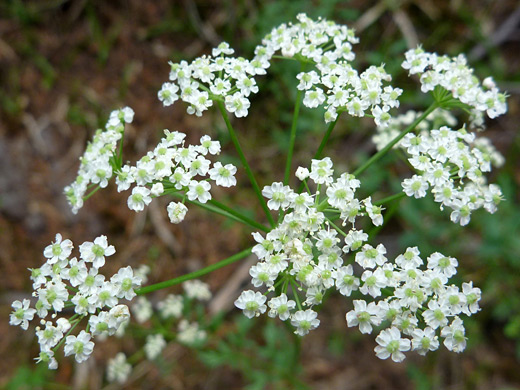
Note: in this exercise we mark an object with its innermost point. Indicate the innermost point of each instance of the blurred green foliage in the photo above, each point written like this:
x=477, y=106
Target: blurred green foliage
x=270, y=362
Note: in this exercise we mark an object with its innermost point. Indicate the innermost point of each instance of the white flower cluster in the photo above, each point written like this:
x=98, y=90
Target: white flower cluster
x=398, y=123
x=216, y=77
x=304, y=250
x=171, y=309
x=335, y=85
x=452, y=163
x=172, y=167
x=97, y=163
x=419, y=303
x=118, y=369
x=454, y=75
x=322, y=43
x=341, y=88
x=68, y=282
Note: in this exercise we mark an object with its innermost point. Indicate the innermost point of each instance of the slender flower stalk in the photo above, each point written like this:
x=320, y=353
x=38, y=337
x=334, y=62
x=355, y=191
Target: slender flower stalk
x=226, y=211
x=249, y=172
x=292, y=139
x=195, y=274
x=391, y=144
x=325, y=139
x=390, y=198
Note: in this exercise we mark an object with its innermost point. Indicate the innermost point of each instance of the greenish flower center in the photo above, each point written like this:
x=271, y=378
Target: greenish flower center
x=393, y=346
x=98, y=250
x=56, y=250
x=78, y=347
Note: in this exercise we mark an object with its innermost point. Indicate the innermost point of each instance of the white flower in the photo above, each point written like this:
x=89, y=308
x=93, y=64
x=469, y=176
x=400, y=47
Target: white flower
x=176, y=212
x=237, y=104
x=415, y=186
x=302, y=173
x=118, y=369
x=374, y=282
x=374, y=212
x=124, y=178
x=199, y=166
x=53, y=294
x=47, y=356
x=82, y=305
x=281, y=306
x=223, y=175
x=424, y=340
x=369, y=256
x=454, y=338
x=364, y=316
x=92, y=282
x=207, y=145
x=77, y=273
x=154, y=346
x=50, y=336
x=391, y=344
x=314, y=98
x=321, y=171
x=262, y=273
x=171, y=306
x=357, y=107
x=199, y=191
x=99, y=323
x=304, y=321
x=157, y=189
x=410, y=259
x=278, y=195
x=140, y=197
x=142, y=309
x=168, y=94
x=95, y=252
x=190, y=334
x=247, y=85
x=354, y=240
x=196, y=289
x=443, y=264
x=80, y=346
x=346, y=282
x=22, y=314
x=104, y=296
x=307, y=80
x=252, y=303
x=435, y=316
x=59, y=250
x=472, y=295
x=126, y=282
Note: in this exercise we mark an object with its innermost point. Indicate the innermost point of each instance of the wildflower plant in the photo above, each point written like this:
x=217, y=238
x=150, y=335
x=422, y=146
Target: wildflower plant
x=317, y=237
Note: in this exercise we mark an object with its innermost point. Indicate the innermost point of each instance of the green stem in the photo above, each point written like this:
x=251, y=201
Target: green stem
x=91, y=193
x=390, y=145
x=389, y=199
x=249, y=173
x=243, y=218
x=295, y=292
x=338, y=229
x=325, y=139
x=195, y=274
x=225, y=211
x=323, y=143
x=68, y=333
x=120, y=153
x=388, y=216
x=292, y=138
